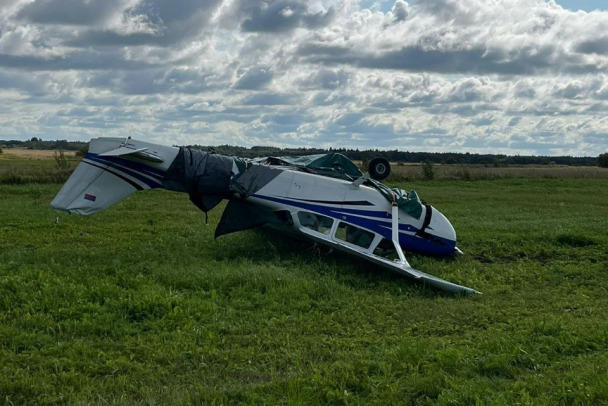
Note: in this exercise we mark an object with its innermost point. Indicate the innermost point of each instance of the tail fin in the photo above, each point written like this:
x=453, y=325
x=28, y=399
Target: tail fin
x=111, y=170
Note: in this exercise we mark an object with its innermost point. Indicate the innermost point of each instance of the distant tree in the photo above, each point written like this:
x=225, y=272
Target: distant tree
x=602, y=160
x=61, y=162
x=428, y=171
x=1, y=150
x=82, y=151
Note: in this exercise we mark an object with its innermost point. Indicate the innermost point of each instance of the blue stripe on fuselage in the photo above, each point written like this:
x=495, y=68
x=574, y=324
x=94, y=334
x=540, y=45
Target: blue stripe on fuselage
x=376, y=224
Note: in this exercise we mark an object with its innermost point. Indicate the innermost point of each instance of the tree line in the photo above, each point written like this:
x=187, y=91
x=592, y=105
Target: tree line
x=406, y=156
x=354, y=154
x=37, y=143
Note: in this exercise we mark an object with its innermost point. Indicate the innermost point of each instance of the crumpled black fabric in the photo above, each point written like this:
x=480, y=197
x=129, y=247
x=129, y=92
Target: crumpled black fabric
x=205, y=177
x=253, y=179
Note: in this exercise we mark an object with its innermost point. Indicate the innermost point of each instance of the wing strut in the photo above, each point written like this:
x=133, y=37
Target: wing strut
x=407, y=269
x=395, y=234
x=359, y=181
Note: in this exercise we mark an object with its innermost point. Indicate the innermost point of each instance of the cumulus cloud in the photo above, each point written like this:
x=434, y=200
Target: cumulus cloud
x=329, y=79
x=254, y=78
x=523, y=76
x=69, y=12
x=467, y=37
x=150, y=22
x=274, y=16
x=400, y=10
x=593, y=46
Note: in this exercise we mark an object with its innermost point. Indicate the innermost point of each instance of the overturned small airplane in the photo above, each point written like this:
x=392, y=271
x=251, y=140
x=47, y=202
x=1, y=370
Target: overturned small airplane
x=322, y=198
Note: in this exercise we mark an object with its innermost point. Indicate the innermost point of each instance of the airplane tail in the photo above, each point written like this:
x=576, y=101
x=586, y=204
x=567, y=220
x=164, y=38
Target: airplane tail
x=112, y=169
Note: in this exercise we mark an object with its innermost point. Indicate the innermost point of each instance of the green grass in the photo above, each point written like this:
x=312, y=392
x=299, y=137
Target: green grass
x=140, y=305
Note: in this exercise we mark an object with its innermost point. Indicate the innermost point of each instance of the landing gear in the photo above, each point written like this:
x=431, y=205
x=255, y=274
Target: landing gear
x=379, y=168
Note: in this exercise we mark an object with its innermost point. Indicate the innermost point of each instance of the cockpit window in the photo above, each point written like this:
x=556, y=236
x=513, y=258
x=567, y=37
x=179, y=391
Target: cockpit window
x=315, y=222
x=354, y=235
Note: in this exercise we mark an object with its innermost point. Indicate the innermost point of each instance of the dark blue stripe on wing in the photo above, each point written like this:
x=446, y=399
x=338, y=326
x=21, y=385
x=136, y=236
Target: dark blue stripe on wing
x=153, y=184
x=118, y=175
x=137, y=166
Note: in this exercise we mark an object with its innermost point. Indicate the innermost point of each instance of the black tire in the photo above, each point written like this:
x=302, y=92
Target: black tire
x=379, y=168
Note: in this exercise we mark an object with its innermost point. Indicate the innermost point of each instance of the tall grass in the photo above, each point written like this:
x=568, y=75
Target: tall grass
x=53, y=168
x=405, y=172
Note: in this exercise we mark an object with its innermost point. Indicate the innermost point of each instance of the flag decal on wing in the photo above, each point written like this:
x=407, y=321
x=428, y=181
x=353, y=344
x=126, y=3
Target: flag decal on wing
x=90, y=197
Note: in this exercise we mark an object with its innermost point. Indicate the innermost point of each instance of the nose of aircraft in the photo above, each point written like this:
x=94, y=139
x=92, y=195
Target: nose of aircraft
x=441, y=232
x=441, y=226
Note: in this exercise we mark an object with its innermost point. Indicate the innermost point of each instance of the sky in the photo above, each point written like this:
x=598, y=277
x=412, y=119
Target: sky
x=480, y=76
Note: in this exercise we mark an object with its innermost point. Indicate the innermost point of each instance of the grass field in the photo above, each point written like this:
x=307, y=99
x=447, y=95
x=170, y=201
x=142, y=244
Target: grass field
x=23, y=166
x=488, y=172
x=12, y=153
x=20, y=171
x=140, y=305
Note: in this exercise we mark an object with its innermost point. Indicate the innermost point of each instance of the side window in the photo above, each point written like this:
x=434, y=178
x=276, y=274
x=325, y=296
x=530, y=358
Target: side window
x=354, y=235
x=316, y=222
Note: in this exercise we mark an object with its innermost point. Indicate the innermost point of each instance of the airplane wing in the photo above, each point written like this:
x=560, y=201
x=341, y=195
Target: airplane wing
x=434, y=281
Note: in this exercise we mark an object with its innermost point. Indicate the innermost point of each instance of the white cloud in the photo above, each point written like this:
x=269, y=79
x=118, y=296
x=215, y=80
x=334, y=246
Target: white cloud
x=523, y=76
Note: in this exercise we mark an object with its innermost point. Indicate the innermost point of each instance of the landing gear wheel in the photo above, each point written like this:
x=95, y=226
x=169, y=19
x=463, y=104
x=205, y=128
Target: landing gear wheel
x=379, y=168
